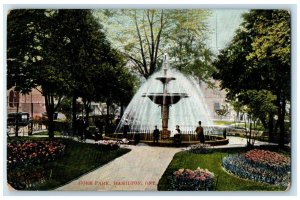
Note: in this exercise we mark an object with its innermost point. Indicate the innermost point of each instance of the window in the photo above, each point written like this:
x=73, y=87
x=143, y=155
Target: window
x=13, y=99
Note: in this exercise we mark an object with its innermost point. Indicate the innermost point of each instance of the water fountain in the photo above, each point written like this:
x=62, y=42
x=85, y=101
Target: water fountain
x=168, y=98
x=165, y=99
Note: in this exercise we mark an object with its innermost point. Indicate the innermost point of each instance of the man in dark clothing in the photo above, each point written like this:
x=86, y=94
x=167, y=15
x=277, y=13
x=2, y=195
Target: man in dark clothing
x=155, y=135
x=177, y=136
x=99, y=124
x=200, y=133
x=80, y=127
x=125, y=129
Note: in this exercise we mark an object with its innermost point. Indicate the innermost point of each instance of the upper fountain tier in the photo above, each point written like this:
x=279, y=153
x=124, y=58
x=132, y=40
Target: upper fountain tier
x=165, y=80
x=165, y=99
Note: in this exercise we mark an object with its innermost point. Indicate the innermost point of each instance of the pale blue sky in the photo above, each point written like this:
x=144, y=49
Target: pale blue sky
x=228, y=20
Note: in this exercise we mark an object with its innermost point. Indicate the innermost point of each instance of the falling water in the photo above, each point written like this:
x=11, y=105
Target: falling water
x=142, y=114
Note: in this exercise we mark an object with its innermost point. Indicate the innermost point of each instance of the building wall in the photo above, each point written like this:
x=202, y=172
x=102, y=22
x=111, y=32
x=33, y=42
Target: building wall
x=33, y=100
x=216, y=98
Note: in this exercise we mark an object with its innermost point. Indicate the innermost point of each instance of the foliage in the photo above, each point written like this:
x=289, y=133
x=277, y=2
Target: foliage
x=258, y=58
x=252, y=165
x=144, y=36
x=200, y=148
x=61, y=126
x=107, y=145
x=66, y=53
x=258, y=102
x=193, y=180
x=29, y=153
x=257, y=105
x=222, y=111
x=65, y=107
x=212, y=162
x=78, y=159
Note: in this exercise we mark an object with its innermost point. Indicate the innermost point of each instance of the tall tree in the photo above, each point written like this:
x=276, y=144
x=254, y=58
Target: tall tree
x=86, y=51
x=272, y=47
x=60, y=50
x=32, y=54
x=257, y=58
x=143, y=36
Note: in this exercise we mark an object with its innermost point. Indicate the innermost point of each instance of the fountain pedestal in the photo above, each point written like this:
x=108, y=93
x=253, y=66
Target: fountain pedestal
x=165, y=100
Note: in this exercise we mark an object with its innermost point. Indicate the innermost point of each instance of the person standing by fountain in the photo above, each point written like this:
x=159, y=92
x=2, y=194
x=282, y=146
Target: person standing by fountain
x=125, y=129
x=200, y=133
x=177, y=136
x=155, y=135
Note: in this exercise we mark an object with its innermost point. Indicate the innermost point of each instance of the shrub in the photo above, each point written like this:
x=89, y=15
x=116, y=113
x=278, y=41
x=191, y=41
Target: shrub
x=61, y=126
x=200, y=148
x=29, y=153
x=107, y=145
x=193, y=180
x=261, y=166
x=25, y=155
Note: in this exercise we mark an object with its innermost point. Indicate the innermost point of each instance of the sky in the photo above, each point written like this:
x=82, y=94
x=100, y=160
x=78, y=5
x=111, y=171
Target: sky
x=226, y=22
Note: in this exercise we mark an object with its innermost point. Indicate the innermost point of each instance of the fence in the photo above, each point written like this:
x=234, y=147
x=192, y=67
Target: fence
x=189, y=136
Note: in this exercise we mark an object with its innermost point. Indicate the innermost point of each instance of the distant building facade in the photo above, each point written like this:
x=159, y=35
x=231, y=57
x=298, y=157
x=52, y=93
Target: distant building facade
x=33, y=101
x=215, y=99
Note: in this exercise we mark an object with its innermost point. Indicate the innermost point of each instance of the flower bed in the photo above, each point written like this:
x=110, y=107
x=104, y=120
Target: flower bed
x=29, y=153
x=107, y=145
x=23, y=158
x=268, y=159
x=193, y=180
x=261, y=166
x=200, y=148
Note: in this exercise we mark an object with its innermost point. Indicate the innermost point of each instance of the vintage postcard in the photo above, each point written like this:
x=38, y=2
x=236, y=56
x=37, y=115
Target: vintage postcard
x=157, y=99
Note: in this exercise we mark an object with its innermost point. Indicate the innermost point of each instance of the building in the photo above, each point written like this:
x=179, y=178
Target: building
x=32, y=102
x=215, y=99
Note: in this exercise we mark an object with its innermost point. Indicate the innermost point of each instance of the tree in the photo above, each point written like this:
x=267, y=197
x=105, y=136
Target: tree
x=186, y=45
x=60, y=50
x=87, y=51
x=256, y=103
x=256, y=60
x=31, y=57
x=272, y=46
x=115, y=84
x=143, y=36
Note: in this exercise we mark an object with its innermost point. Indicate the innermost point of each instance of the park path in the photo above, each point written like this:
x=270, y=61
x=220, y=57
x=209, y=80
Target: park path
x=138, y=170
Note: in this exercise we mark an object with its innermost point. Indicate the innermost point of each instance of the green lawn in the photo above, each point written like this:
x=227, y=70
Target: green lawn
x=212, y=162
x=78, y=159
x=45, y=133
x=223, y=122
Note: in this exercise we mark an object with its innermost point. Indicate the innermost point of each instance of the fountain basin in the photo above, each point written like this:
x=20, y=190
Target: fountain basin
x=165, y=99
x=165, y=80
x=187, y=139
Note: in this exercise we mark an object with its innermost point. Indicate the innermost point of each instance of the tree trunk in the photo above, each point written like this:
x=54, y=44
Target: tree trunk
x=264, y=122
x=51, y=108
x=281, y=123
x=107, y=126
x=17, y=121
x=50, y=112
x=271, y=127
x=31, y=124
x=74, y=111
x=122, y=109
x=87, y=112
x=50, y=124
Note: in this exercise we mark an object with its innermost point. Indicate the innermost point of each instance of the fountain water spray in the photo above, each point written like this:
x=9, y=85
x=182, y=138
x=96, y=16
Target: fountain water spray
x=168, y=98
